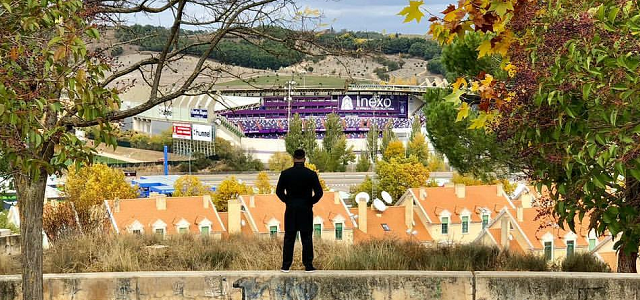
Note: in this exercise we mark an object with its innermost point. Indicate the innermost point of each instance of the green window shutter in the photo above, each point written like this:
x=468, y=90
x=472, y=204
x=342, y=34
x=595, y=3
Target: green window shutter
x=338, y=231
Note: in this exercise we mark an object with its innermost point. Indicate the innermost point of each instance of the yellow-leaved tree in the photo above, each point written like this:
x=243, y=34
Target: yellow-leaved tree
x=395, y=149
x=262, y=183
x=315, y=169
x=399, y=174
x=86, y=188
x=228, y=189
x=280, y=161
x=91, y=185
x=190, y=185
x=418, y=147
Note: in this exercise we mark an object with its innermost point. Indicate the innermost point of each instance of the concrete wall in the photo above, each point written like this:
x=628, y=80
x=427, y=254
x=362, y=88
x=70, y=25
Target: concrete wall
x=329, y=285
x=555, y=286
x=10, y=245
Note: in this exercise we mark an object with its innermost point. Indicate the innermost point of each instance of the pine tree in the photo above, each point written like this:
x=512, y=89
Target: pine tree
x=373, y=143
x=364, y=163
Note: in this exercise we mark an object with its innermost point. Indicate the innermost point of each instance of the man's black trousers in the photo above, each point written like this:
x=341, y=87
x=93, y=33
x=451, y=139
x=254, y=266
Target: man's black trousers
x=306, y=237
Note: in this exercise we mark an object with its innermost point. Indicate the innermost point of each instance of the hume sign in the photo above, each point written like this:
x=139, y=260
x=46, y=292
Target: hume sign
x=201, y=132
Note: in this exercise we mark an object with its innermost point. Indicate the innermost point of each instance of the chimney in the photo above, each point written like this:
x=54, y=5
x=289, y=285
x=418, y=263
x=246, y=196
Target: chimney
x=252, y=201
x=520, y=214
x=234, y=217
x=499, y=189
x=423, y=194
x=504, y=232
x=460, y=190
x=408, y=213
x=526, y=199
x=206, y=199
x=161, y=202
x=362, y=216
x=116, y=205
x=336, y=198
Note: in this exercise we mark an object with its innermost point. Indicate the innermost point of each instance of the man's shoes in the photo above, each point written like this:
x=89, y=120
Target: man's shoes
x=284, y=270
x=309, y=269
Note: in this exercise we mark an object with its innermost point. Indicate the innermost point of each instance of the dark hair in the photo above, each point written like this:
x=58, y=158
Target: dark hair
x=298, y=154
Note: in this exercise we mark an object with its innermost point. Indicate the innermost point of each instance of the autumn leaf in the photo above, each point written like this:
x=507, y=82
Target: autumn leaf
x=479, y=122
x=412, y=11
x=460, y=82
x=475, y=86
x=484, y=48
x=454, y=97
x=463, y=112
x=501, y=7
x=488, y=79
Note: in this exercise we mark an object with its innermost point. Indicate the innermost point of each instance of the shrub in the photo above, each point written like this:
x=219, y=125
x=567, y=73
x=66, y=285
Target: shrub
x=584, y=262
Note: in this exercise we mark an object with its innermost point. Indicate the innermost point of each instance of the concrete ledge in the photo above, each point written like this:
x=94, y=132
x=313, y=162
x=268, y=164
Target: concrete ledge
x=555, y=286
x=330, y=285
x=271, y=285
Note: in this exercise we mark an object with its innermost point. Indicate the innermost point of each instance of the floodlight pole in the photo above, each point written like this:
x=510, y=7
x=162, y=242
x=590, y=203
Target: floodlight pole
x=289, y=99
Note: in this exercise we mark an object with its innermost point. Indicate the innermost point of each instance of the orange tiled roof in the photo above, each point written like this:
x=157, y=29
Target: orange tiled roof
x=514, y=245
x=534, y=232
x=269, y=207
x=144, y=211
x=476, y=197
x=611, y=259
x=394, y=217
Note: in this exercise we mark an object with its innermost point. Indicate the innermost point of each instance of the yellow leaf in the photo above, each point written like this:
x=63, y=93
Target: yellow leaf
x=484, y=48
x=479, y=122
x=488, y=79
x=463, y=112
x=460, y=82
x=474, y=86
x=412, y=11
x=501, y=7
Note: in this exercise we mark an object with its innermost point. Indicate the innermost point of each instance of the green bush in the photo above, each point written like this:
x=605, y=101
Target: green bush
x=584, y=262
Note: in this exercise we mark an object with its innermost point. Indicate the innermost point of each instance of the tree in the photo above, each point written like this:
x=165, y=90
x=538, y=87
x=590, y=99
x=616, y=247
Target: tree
x=570, y=104
x=190, y=185
x=51, y=83
x=365, y=186
x=395, y=149
x=435, y=66
x=294, y=138
x=418, y=147
x=280, y=161
x=432, y=50
x=373, y=144
x=416, y=127
x=90, y=185
x=417, y=49
x=309, y=138
x=228, y=189
x=262, y=183
x=466, y=180
x=387, y=136
x=364, y=163
x=399, y=174
x=436, y=163
x=469, y=151
x=460, y=58
x=335, y=155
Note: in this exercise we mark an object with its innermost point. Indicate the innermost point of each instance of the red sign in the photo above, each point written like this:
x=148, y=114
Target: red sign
x=182, y=131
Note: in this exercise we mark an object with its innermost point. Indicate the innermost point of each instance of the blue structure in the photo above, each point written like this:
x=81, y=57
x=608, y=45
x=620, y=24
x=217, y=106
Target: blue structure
x=157, y=184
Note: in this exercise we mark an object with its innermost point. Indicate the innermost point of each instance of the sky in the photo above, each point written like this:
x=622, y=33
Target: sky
x=355, y=15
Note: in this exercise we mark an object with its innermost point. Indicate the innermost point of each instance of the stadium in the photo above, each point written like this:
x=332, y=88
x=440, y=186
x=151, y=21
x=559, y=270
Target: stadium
x=257, y=120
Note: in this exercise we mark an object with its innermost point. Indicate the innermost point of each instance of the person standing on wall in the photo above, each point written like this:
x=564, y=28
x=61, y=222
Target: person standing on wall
x=299, y=188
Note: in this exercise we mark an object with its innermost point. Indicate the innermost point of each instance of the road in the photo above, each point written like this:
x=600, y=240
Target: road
x=336, y=181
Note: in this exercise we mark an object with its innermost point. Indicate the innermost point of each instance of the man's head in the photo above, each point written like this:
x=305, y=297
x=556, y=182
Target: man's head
x=298, y=156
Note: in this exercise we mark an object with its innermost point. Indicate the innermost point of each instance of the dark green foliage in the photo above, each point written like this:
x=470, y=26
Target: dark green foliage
x=425, y=50
x=294, y=139
x=264, y=55
x=435, y=66
x=469, y=151
x=460, y=59
x=364, y=162
x=584, y=262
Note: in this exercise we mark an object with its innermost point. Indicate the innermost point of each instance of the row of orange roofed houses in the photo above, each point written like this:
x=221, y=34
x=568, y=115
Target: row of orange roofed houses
x=483, y=214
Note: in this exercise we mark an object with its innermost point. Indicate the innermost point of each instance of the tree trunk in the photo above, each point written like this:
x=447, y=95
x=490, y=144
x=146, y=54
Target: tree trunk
x=30, y=200
x=627, y=261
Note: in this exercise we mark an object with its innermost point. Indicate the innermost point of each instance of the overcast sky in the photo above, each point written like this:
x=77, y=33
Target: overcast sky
x=371, y=15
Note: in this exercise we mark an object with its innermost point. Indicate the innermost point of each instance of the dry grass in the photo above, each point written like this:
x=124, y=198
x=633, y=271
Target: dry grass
x=108, y=253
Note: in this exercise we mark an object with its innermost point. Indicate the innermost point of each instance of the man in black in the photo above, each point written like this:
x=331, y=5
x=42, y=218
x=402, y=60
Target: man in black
x=299, y=188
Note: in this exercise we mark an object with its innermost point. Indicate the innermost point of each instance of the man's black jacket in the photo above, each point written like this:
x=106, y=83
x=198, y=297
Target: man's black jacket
x=299, y=188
